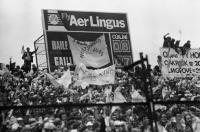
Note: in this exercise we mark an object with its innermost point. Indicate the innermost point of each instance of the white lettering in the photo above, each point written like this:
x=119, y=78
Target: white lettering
x=122, y=23
x=73, y=21
x=56, y=61
x=119, y=36
x=60, y=45
x=92, y=23
x=62, y=61
x=97, y=22
x=80, y=22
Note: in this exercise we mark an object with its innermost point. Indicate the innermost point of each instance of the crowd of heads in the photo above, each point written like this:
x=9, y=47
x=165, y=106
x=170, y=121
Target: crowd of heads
x=176, y=89
x=178, y=117
x=35, y=88
x=19, y=87
x=77, y=119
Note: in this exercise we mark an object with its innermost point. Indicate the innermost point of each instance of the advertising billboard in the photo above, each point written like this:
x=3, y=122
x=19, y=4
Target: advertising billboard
x=101, y=39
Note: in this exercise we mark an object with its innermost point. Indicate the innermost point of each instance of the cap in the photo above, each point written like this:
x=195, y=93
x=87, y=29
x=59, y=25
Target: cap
x=89, y=123
x=19, y=118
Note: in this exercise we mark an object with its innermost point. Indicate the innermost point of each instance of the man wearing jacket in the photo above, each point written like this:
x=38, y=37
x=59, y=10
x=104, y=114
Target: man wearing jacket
x=28, y=59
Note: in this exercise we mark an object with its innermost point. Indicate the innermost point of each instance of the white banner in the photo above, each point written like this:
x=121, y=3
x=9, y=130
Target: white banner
x=96, y=77
x=176, y=65
x=92, y=53
x=52, y=80
x=65, y=79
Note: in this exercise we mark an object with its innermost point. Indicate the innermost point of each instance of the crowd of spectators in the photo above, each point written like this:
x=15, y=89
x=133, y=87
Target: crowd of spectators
x=22, y=87
x=77, y=119
x=176, y=89
x=19, y=88
x=35, y=88
x=178, y=118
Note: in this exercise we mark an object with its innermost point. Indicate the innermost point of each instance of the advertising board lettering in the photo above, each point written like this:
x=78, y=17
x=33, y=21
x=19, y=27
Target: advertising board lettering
x=86, y=28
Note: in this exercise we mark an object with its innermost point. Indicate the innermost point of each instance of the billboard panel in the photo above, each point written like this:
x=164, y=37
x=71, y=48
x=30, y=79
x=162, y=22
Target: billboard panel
x=85, y=27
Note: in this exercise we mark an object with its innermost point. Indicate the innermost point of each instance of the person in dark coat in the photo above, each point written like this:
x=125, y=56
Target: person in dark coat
x=28, y=59
x=167, y=40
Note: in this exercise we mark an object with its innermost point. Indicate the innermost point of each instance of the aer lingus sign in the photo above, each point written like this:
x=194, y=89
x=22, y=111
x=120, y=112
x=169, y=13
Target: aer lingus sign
x=87, y=28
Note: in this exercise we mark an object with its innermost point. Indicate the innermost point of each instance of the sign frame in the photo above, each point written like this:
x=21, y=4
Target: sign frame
x=120, y=30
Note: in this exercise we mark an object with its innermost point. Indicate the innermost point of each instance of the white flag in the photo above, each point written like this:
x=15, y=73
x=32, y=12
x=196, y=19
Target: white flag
x=92, y=53
x=23, y=50
x=52, y=80
x=65, y=79
x=118, y=97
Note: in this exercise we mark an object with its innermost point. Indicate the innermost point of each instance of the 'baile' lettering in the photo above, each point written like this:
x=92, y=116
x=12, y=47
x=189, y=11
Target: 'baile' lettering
x=60, y=45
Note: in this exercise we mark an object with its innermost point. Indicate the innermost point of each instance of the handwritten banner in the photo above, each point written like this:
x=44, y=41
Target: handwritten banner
x=176, y=65
x=90, y=53
x=96, y=77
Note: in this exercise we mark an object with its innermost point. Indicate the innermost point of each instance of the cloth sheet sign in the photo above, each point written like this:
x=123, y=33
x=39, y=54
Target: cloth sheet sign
x=177, y=65
x=97, y=77
x=90, y=53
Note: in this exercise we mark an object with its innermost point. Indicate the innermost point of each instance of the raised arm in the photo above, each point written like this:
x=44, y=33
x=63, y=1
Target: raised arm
x=165, y=35
x=35, y=50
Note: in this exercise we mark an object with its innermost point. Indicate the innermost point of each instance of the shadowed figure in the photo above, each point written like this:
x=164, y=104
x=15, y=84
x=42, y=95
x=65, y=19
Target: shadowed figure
x=28, y=59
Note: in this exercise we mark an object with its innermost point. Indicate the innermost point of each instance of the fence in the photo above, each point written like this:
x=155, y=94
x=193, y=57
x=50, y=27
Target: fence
x=150, y=115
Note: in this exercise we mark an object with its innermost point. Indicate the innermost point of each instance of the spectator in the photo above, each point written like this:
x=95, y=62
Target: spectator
x=176, y=46
x=28, y=59
x=186, y=47
x=167, y=40
x=172, y=43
